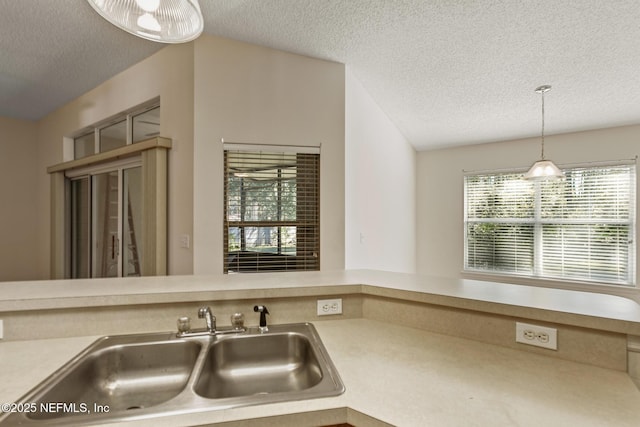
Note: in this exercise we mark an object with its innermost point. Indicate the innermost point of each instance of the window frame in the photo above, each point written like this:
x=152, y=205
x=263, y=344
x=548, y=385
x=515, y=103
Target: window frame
x=154, y=158
x=306, y=221
x=95, y=130
x=119, y=166
x=537, y=276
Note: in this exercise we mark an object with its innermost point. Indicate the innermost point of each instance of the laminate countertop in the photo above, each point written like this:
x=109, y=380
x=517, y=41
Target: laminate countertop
x=588, y=309
x=401, y=376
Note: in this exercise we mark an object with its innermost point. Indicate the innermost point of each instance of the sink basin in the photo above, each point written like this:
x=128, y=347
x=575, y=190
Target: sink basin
x=132, y=377
x=123, y=376
x=252, y=365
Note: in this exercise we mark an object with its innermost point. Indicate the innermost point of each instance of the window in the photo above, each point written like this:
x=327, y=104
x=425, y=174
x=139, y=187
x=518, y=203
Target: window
x=99, y=228
x=145, y=125
x=580, y=228
x=271, y=209
x=139, y=125
x=84, y=145
x=109, y=202
x=113, y=136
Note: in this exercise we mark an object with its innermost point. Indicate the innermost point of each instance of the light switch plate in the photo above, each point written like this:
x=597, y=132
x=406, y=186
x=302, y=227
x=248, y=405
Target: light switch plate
x=185, y=241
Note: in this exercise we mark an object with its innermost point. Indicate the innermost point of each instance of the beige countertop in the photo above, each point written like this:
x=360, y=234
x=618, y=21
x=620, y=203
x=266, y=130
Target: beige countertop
x=596, y=310
x=405, y=377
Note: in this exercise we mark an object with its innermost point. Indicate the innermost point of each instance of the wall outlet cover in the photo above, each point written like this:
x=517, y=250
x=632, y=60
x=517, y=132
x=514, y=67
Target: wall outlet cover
x=328, y=307
x=539, y=336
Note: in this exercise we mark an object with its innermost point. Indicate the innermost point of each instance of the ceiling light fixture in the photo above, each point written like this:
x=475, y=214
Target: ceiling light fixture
x=543, y=168
x=164, y=21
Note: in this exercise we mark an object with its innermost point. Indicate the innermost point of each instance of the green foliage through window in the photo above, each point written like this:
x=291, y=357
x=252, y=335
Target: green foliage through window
x=578, y=228
x=271, y=211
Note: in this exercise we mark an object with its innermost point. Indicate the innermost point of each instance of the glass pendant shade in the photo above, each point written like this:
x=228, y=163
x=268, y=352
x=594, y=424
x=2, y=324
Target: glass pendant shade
x=543, y=169
x=165, y=21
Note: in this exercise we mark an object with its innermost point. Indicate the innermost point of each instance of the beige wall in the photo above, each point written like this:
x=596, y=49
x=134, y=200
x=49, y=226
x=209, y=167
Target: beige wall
x=168, y=74
x=210, y=89
x=380, y=181
x=20, y=205
x=251, y=94
x=440, y=183
x=217, y=88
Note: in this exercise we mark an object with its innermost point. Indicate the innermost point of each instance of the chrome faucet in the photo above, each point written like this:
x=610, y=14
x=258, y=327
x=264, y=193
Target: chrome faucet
x=206, y=314
x=185, y=331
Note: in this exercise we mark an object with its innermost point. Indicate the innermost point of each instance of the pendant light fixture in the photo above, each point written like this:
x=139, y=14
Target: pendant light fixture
x=164, y=21
x=543, y=168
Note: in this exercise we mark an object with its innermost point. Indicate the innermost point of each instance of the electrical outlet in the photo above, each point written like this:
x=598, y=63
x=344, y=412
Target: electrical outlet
x=540, y=336
x=327, y=307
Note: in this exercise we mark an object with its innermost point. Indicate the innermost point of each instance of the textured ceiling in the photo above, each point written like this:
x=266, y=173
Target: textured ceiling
x=446, y=72
x=52, y=51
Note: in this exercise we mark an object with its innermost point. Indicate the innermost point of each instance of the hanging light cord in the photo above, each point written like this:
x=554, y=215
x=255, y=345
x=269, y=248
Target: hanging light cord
x=542, y=154
x=541, y=90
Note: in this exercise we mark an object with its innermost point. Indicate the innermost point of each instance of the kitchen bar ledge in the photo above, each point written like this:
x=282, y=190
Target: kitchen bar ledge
x=400, y=376
x=584, y=309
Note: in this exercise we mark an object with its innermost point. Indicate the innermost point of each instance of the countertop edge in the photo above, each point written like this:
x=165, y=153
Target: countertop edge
x=599, y=311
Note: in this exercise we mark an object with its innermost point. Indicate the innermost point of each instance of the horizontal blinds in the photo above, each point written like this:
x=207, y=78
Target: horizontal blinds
x=602, y=194
x=598, y=252
x=499, y=230
x=505, y=196
x=271, y=210
x=578, y=228
x=500, y=247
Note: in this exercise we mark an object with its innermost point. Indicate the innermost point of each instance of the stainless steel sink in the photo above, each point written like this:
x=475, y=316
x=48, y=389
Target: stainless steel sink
x=124, y=376
x=141, y=376
x=282, y=362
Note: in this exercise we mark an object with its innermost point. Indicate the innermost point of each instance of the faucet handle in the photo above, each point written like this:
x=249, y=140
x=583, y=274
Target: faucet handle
x=184, y=324
x=237, y=321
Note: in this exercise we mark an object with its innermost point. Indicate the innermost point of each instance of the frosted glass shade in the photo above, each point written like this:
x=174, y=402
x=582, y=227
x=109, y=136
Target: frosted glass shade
x=544, y=169
x=165, y=21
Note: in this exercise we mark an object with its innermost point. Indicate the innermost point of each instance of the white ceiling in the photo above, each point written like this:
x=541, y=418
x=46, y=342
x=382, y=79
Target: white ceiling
x=446, y=72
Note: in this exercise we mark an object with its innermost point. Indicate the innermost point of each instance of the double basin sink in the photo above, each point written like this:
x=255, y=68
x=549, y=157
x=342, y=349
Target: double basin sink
x=130, y=377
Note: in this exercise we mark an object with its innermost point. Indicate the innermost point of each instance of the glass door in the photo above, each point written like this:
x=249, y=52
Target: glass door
x=132, y=221
x=80, y=241
x=106, y=223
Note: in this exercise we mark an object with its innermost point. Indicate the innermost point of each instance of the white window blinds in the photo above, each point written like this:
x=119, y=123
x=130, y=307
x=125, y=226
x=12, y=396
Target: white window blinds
x=579, y=228
x=271, y=209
